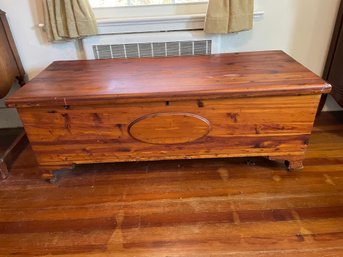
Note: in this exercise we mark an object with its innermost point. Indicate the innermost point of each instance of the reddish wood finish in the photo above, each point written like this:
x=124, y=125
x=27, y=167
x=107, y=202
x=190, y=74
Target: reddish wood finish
x=293, y=163
x=169, y=128
x=172, y=78
x=154, y=109
x=100, y=133
x=182, y=208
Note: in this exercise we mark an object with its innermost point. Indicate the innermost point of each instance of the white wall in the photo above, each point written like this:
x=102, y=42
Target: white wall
x=302, y=28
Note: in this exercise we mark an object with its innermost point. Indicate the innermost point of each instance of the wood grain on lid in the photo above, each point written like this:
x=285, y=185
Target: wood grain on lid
x=172, y=78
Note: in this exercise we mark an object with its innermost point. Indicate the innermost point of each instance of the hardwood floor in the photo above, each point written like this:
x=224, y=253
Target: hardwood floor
x=216, y=207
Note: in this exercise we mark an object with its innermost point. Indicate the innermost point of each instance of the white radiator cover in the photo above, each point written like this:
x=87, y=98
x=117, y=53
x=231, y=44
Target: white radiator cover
x=155, y=37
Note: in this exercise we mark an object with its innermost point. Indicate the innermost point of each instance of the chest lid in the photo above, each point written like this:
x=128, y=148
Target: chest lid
x=249, y=74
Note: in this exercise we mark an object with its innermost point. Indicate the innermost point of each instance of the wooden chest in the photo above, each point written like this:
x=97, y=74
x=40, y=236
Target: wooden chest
x=226, y=105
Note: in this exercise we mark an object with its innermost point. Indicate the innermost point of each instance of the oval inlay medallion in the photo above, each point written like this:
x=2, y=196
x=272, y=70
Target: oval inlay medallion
x=169, y=128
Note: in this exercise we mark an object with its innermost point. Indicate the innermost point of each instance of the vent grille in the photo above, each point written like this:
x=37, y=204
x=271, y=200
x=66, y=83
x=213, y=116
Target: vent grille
x=157, y=49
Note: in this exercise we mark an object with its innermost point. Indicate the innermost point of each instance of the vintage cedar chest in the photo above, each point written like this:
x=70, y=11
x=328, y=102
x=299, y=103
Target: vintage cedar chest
x=226, y=105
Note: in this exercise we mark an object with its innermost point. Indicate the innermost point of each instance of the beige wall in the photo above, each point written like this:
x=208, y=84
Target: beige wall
x=302, y=28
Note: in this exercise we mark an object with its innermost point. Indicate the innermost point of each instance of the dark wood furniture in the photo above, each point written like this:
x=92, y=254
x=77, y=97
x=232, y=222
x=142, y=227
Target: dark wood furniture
x=11, y=67
x=10, y=70
x=227, y=105
x=333, y=71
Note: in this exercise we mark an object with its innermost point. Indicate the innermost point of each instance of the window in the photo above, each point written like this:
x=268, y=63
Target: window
x=130, y=16
x=114, y=3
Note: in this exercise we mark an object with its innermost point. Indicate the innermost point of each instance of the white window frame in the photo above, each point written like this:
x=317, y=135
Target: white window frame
x=154, y=18
x=173, y=2
x=148, y=18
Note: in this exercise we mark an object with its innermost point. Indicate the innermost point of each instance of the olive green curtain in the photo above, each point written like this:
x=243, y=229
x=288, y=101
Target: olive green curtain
x=226, y=16
x=68, y=19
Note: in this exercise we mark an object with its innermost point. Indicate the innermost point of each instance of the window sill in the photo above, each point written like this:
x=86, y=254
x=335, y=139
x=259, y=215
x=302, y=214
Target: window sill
x=155, y=23
x=151, y=24
x=136, y=19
